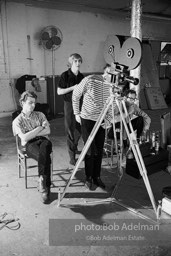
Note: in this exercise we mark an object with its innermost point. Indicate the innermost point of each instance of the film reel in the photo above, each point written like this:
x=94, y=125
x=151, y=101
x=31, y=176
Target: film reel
x=129, y=54
x=112, y=49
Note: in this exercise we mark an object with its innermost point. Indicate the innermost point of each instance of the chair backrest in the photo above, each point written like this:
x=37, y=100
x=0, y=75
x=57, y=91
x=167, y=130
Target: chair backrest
x=20, y=150
x=18, y=142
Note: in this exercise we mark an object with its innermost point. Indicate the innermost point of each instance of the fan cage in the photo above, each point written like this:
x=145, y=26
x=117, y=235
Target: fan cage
x=51, y=38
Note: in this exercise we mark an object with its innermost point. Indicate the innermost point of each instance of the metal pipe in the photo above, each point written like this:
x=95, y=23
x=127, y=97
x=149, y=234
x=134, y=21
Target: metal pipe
x=136, y=31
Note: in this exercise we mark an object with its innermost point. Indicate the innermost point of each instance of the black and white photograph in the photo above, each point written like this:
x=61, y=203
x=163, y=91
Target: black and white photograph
x=85, y=128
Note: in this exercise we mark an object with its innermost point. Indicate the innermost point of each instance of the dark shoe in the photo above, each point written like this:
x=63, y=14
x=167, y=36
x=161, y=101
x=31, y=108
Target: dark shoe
x=98, y=182
x=89, y=183
x=45, y=197
x=44, y=191
x=72, y=161
x=77, y=151
x=48, y=192
x=129, y=154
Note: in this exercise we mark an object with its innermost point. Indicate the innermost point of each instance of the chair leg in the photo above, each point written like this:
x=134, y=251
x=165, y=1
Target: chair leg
x=51, y=169
x=112, y=147
x=25, y=171
x=19, y=166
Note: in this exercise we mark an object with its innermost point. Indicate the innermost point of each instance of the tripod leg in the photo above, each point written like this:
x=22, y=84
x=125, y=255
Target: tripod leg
x=137, y=154
x=142, y=169
x=88, y=143
x=119, y=155
x=114, y=134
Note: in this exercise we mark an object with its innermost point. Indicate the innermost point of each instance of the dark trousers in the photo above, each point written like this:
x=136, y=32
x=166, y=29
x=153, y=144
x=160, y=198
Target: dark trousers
x=137, y=124
x=72, y=129
x=93, y=157
x=40, y=149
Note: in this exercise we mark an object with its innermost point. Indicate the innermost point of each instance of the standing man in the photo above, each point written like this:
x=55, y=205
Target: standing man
x=33, y=129
x=95, y=92
x=67, y=82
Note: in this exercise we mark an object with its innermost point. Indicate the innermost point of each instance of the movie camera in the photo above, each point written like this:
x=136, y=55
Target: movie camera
x=122, y=58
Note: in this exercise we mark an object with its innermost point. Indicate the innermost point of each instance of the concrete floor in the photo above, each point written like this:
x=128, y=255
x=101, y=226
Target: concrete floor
x=32, y=238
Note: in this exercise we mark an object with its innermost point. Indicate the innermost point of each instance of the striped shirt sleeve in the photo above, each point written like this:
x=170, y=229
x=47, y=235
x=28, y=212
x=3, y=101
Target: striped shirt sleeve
x=78, y=91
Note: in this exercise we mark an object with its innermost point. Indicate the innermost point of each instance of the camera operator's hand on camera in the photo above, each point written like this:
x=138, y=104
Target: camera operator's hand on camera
x=78, y=118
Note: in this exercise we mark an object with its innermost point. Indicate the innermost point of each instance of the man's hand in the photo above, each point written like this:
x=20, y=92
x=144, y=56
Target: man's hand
x=78, y=118
x=144, y=135
x=45, y=124
x=74, y=86
x=144, y=132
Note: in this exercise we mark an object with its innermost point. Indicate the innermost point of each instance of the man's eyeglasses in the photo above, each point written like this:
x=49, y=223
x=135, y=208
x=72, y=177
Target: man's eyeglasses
x=132, y=99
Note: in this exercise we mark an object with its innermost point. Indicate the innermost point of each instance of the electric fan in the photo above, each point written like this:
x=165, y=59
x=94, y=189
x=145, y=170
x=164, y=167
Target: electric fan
x=51, y=39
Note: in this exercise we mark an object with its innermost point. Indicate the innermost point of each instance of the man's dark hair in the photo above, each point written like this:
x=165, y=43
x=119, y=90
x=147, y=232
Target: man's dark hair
x=130, y=91
x=25, y=95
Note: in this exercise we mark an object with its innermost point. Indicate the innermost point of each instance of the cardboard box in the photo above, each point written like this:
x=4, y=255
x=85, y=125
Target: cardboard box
x=166, y=129
x=155, y=99
x=166, y=205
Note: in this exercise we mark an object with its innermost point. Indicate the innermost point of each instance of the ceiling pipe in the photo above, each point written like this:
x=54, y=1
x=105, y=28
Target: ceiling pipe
x=155, y=16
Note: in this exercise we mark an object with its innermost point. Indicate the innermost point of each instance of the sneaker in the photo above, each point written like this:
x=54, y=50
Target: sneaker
x=89, y=183
x=98, y=182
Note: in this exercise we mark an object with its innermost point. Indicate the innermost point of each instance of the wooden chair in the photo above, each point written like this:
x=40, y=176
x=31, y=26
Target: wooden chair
x=109, y=146
x=23, y=159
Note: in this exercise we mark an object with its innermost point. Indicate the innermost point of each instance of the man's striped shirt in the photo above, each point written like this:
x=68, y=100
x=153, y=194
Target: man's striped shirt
x=95, y=93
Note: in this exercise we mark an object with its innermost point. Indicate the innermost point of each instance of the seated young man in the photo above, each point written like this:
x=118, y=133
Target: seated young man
x=33, y=129
x=141, y=122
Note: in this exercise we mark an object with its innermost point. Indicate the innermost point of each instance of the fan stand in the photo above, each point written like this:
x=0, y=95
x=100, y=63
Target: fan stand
x=53, y=81
x=50, y=39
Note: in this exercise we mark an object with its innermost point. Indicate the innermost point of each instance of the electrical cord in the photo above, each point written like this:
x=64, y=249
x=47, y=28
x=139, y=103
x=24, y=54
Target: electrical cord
x=7, y=220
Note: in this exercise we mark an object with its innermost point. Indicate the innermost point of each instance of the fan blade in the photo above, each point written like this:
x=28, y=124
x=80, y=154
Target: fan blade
x=56, y=40
x=49, y=44
x=54, y=31
x=45, y=36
